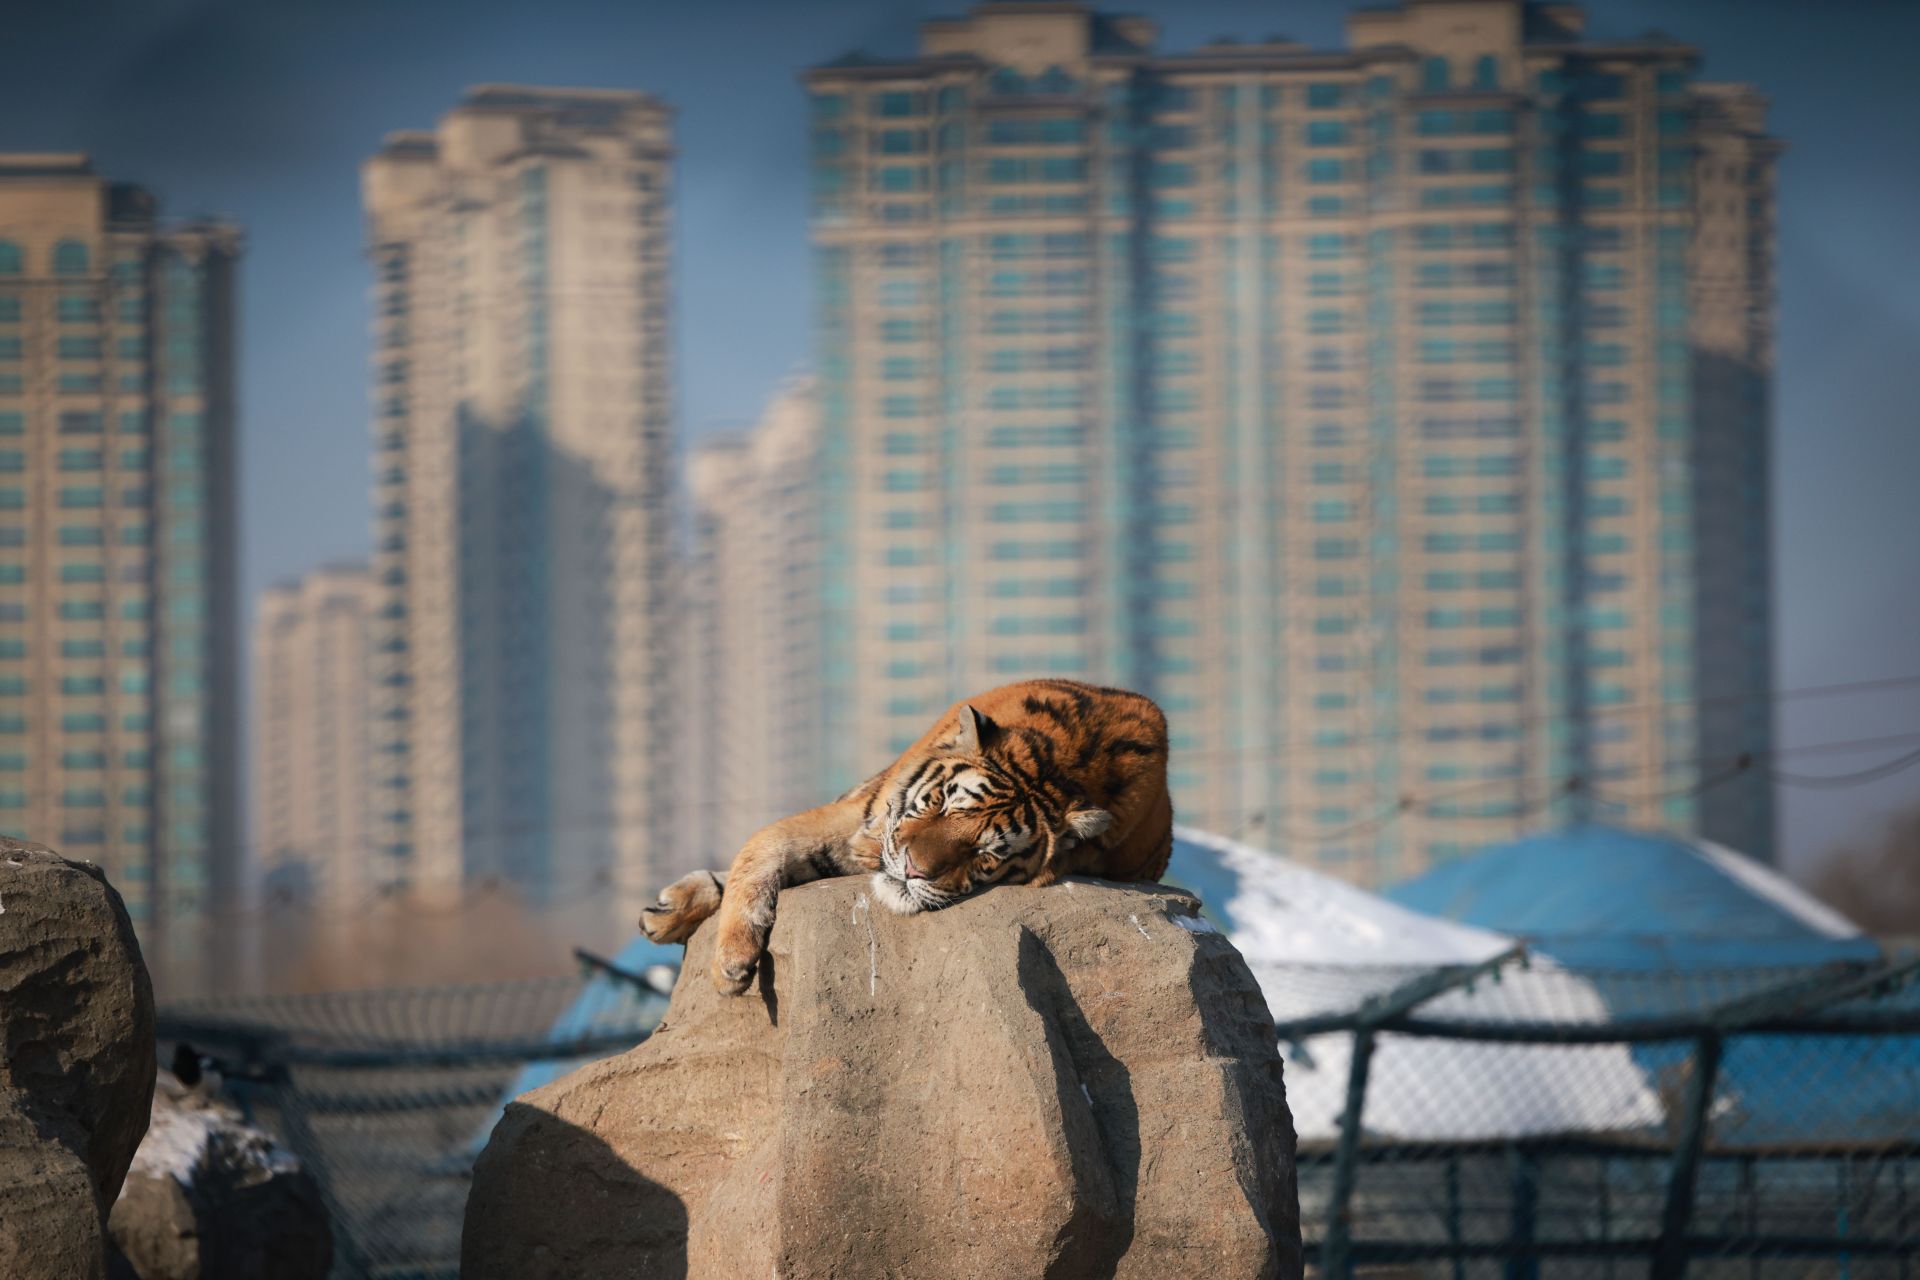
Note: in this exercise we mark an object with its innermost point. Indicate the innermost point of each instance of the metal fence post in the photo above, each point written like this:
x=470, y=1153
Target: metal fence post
x=1336, y=1260
x=1454, y=1235
x=1336, y=1255
x=1524, y=1191
x=1670, y=1253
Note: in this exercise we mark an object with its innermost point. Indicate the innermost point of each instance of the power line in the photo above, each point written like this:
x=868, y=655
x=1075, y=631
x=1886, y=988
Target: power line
x=1844, y=688
x=1860, y=777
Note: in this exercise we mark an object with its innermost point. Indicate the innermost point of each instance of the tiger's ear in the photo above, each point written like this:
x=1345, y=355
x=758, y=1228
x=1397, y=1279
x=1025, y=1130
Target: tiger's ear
x=1089, y=824
x=975, y=730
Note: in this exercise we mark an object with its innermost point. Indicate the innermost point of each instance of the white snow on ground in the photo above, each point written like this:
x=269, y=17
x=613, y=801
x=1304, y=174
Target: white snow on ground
x=178, y=1136
x=1770, y=885
x=176, y=1139
x=1319, y=945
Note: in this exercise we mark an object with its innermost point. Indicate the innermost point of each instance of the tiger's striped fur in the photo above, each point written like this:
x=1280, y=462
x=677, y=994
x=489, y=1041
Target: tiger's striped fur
x=1021, y=785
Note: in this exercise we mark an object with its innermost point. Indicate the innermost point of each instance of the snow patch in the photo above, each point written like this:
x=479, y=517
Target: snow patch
x=1281, y=912
x=175, y=1142
x=1775, y=889
x=184, y=1138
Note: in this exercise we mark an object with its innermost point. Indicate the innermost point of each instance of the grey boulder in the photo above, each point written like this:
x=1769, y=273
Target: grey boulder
x=76, y=1077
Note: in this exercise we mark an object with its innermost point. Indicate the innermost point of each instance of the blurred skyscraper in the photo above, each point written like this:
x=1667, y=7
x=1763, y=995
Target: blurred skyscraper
x=1396, y=415
x=522, y=430
x=311, y=771
x=118, y=644
x=753, y=602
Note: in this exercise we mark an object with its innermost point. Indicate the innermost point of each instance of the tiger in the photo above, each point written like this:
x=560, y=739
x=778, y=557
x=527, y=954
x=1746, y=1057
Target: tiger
x=1023, y=784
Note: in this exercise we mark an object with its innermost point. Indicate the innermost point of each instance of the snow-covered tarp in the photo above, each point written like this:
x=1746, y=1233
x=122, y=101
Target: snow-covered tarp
x=1318, y=945
x=1669, y=925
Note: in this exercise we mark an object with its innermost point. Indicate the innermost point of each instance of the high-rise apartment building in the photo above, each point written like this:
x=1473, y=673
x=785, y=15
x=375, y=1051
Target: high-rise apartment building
x=522, y=435
x=312, y=775
x=1396, y=415
x=118, y=645
x=753, y=669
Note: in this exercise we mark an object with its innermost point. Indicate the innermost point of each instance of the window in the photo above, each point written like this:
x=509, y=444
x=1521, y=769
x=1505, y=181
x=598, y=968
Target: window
x=899, y=142
x=70, y=258
x=898, y=104
x=9, y=258
x=1327, y=133
x=1434, y=74
x=1324, y=95
x=1486, y=72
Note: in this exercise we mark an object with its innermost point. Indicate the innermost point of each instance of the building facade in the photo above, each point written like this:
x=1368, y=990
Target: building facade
x=753, y=604
x=1396, y=415
x=522, y=432
x=118, y=648
x=312, y=776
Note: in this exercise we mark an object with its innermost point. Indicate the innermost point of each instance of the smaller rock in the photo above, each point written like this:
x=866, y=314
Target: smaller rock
x=210, y=1197
x=76, y=1023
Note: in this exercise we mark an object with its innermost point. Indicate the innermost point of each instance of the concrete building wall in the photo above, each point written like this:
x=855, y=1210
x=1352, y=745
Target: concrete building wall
x=523, y=442
x=754, y=709
x=118, y=646
x=1350, y=402
x=312, y=834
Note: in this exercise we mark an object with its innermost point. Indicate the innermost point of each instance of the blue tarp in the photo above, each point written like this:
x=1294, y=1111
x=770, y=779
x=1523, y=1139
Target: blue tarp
x=1610, y=898
x=1611, y=902
x=605, y=1004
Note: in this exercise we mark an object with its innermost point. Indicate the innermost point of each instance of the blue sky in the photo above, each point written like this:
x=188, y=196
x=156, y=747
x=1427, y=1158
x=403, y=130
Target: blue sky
x=263, y=112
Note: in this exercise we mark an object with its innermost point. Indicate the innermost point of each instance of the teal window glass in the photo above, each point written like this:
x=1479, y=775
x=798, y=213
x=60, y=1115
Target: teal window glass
x=70, y=258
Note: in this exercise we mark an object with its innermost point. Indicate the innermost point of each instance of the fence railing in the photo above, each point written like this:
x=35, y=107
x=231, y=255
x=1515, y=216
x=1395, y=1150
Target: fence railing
x=1775, y=1120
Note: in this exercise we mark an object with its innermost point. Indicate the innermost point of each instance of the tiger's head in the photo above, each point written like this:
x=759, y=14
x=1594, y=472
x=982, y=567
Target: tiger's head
x=961, y=819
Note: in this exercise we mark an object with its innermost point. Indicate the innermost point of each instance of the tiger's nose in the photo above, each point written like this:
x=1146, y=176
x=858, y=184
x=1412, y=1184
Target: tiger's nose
x=913, y=872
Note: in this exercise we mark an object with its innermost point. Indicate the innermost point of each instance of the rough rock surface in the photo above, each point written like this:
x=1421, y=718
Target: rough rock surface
x=76, y=1061
x=1073, y=1081
x=209, y=1197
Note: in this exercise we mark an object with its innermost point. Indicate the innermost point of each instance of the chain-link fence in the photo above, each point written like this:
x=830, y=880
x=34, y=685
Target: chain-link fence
x=1517, y=1119
x=388, y=1096
x=1538, y=1121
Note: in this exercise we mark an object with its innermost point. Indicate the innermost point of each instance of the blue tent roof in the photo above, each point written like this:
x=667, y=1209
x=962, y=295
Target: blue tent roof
x=1635, y=903
x=1611, y=898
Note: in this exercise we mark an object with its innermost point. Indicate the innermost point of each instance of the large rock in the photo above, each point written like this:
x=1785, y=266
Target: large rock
x=210, y=1197
x=1073, y=1081
x=76, y=1074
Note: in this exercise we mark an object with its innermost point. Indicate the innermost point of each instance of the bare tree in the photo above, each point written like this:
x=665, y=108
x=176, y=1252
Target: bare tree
x=1876, y=883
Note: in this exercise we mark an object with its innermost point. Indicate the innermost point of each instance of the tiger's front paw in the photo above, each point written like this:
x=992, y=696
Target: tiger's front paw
x=735, y=957
x=681, y=908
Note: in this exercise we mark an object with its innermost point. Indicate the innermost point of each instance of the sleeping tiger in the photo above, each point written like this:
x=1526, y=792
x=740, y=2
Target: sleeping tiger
x=1021, y=785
